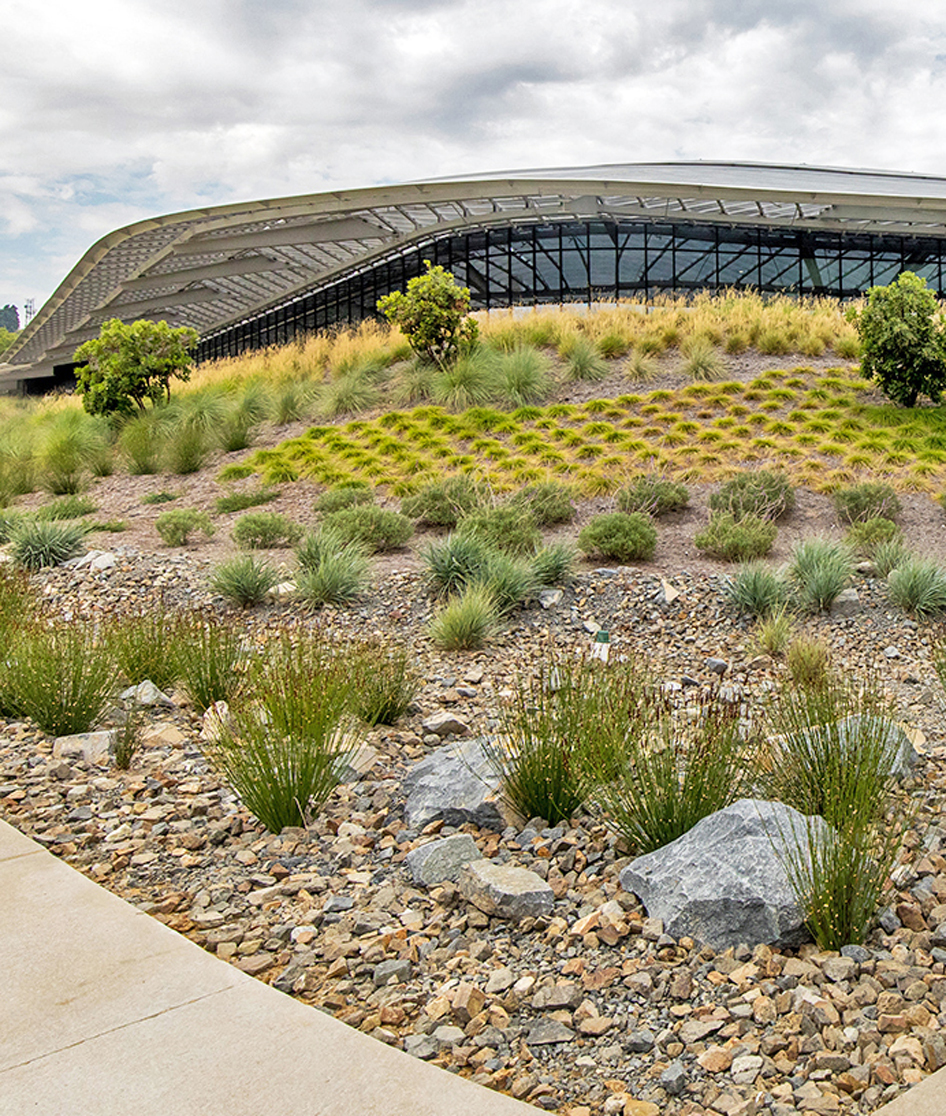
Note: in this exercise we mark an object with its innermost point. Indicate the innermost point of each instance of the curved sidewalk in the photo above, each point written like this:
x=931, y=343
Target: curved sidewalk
x=104, y=1011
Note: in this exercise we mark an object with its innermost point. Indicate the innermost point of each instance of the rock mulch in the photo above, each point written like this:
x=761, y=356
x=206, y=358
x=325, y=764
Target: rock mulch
x=584, y=1005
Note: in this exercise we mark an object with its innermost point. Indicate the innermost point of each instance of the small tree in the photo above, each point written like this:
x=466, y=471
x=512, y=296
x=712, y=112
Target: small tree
x=432, y=315
x=902, y=342
x=130, y=363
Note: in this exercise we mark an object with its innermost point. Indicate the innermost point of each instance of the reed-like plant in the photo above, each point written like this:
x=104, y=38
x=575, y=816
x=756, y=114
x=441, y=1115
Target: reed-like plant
x=384, y=681
x=210, y=658
x=145, y=645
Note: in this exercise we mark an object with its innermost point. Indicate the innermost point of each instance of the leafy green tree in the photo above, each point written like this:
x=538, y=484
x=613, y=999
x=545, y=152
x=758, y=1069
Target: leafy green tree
x=131, y=363
x=6, y=339
x=903, y=346
x=432, y=315
x=9, y=318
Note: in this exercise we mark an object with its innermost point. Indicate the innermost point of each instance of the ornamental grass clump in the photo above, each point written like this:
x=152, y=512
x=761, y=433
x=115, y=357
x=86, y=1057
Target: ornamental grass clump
x=145, y=646
x=757, y=589
x=582, y=361
x=653, y=495
x=674, y=773
x=454, y=563
x=509, y=528
x=375, y=529
x=522, y=377
x=210, y=660
x=918, y=586
x=67, y=507
x=331, y=570
x=36, y=544
x=384, y=681
x=244, y=581
x=349, y=495
x=764, y=494
x=867, y=535
x=736, y=540
x=549, y=502
x=553, y=565
x=240, y=501
x=819, y=571
x=60, y=676
x=287, y=741
x=869, y=500
x=466, y=621
x=265, y=531
x=620, y=537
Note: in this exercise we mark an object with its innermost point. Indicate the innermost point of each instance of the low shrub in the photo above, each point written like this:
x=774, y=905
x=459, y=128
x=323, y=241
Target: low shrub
x=284, y=751
x=820, y=569
x=62, y=677
x=177, y=525
x=509, y=528
x=384, y=681
x=763, y=494
x=619, y=537
x=918, y=586
x=240, y=501
x=35, y=544
x=550, y=503
x=466, y=621
x=375, y=529
x=209, y=660
x=865, y=536
x=349, y=495
x=443, y=503
x=866, y=501
x=265, y=531
x=653, y=495
x=736, y=540
x=757, y=589
x=244, y=580
x=163, y=497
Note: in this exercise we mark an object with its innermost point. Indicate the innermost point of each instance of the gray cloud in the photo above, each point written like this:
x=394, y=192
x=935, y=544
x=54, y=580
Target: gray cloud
x=112, y=112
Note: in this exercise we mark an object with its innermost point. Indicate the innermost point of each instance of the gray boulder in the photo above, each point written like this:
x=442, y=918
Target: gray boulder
x=442, y=860
x=723, y=882
x=458, y=783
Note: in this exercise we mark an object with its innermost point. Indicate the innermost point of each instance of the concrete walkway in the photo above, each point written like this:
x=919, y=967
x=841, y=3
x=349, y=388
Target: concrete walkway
x=104, y=1011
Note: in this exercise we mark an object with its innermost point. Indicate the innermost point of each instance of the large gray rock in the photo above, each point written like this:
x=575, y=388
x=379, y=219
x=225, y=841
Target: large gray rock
x=442, y=860
x=843, y=735
x=723, y=882
x=458, y=783
x=92, y=747
x=504, y=891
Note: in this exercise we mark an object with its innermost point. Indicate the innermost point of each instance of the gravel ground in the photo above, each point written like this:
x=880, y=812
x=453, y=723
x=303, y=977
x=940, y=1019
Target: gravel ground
x=593, y=1009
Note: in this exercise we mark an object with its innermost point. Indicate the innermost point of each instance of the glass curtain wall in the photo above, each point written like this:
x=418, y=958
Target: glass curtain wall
x=592, y=261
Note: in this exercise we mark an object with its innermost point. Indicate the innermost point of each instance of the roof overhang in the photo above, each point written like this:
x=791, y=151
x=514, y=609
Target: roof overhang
x=210, y=268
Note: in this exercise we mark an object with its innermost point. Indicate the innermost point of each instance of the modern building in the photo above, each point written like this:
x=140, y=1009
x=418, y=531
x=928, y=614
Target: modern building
x=260, y=273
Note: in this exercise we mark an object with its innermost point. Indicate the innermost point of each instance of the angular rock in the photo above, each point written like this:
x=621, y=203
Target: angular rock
x=549, y=1031
x=93, y=747
x=504, y=891
x=846, y=603
x=722, y=882
x=441, y=860
x=457, y=783
x=445, y=724
x=399, y=970
x=145, y=693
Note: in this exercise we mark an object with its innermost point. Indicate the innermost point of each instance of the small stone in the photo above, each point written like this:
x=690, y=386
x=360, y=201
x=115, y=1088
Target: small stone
x=421, y=1046
x=445, y=724
x=146, y=694
x=847, y=603
x=674, y=1078
x=499, y=980
x=547, y=1032
x=505, y=891
x=717, y=666
x=398, y=970
x=92, y=747
x=441, y=861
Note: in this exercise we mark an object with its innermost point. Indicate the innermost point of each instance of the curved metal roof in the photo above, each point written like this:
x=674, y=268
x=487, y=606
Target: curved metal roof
x=211, y=268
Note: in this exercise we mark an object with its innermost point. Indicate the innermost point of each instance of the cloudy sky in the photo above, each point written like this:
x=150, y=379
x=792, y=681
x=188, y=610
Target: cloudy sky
x=115, y=110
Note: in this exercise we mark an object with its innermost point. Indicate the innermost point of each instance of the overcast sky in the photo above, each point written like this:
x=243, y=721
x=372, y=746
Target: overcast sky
x=115, y=110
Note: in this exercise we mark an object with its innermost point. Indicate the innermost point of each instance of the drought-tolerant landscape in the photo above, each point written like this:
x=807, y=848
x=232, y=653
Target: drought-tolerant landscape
x=632, y=564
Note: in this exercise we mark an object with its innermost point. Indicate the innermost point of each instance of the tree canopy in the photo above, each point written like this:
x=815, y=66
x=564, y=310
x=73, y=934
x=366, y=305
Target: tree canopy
x=132, y=363
x=432, y=315
x=903, y=346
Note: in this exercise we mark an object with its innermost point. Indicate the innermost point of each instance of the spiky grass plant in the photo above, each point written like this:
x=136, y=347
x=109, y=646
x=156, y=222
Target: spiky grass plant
x=265, y=531
x=244, y=581
x=331, y=570
x=889, y=556
x=61, y=676
x=466, y=621
x=702, y=360
x=669, y=780
x=454, y=563
x=865, y=536
x=918, y=586
x=210, y=660
x=641, y=365
x=819, y=571
x=141, y=442
x=808, y=660
x=244, y=415
x=470, y=381
x=773, y=632
x=285, y=749
x=349, y=394
x=35, y=544
x=554, y=564
x=757, y=589
x=549, y=502
x=522, y=377
x=384, y=681
x=144, y=646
